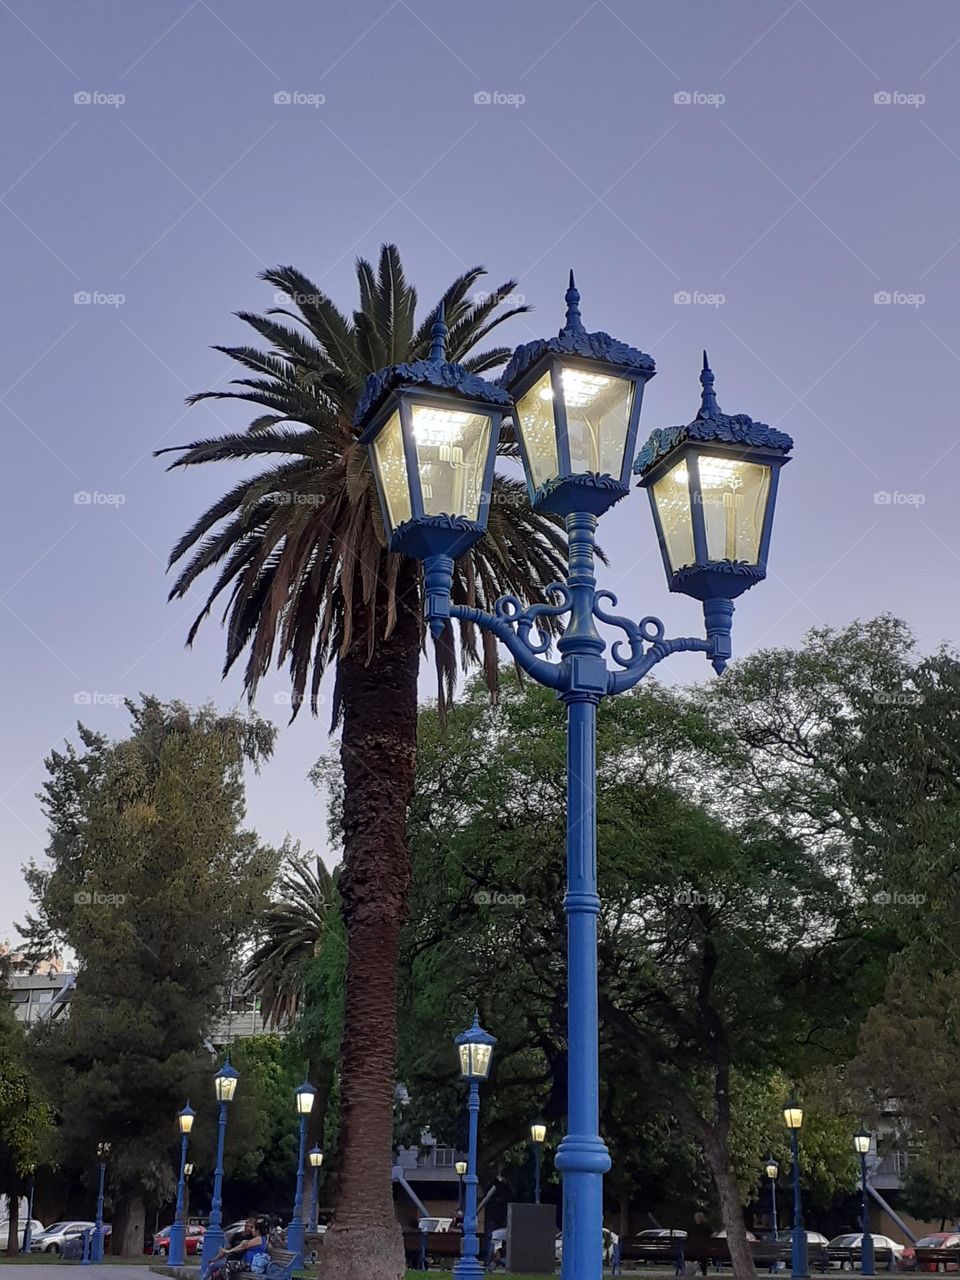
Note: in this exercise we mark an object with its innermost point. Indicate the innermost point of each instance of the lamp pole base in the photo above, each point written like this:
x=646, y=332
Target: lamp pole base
x=296, y=1232
x=178, y=1242
x=213, y=1241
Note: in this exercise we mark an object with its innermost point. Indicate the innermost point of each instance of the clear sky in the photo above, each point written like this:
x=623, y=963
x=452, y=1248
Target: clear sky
x=775, y=179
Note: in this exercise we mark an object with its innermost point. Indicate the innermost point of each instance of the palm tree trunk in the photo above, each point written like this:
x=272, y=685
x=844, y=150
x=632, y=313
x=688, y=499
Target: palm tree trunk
x=378, y=755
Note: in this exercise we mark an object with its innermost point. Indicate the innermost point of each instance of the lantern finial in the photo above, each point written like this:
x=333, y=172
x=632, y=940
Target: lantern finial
x=438, y=337
x=574, y=323
x=708, y=401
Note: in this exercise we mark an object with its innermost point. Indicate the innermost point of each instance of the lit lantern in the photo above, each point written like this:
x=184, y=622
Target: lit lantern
x=577, y=401
x=538, y=1132
x=793, y=1114
x=431, y=428
x=713, y=488
x=305, y=1094
x=476, y=1051
x=315, y=1156
x=185, y=1119
x=772, y=1168
x=225, y=1082
x=861, y=1142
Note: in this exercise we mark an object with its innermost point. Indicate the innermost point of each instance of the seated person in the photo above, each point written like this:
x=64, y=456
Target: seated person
x=239, y=1257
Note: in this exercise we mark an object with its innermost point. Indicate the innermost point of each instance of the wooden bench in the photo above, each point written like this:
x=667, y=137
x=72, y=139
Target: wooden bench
x=284, y=1258
x=715, y=1251
x=939, y=1259
x=435, y=1246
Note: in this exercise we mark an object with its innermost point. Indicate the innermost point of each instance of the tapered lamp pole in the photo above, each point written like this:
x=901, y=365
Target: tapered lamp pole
x=476, y=1052
x=793, y=1115
x=861, y=1143
x=461, y=1168
x=305, y=1095
x=315, y=1156
x=772, y=1169
x=225, y=1087
x=538, y=1134
x=178, y=1232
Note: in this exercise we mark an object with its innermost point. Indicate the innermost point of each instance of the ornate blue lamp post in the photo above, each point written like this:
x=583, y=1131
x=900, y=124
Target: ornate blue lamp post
x=305, y=1095
x=461, y=1168
x=538, y=1135
x=793, y=1115
x=96, y=1240
x=476, y=1053
x=225, y=1086
x=861, y=1142
x=315, y=1156
x=772, y=1169
x=178, y=1232
x=431, y=428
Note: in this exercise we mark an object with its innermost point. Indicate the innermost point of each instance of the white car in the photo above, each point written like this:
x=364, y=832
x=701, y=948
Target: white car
x=853, y=1241
x=35, y=1227
x=56, y=1236
x=434, y=1224
x=610, y=1238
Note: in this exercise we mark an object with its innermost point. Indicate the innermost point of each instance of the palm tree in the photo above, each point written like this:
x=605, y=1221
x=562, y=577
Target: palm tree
x=300, y=550
x=290, y=935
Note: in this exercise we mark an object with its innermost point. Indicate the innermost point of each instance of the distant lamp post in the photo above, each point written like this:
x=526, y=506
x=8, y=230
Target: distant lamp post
x=793, y=1117
x=538, y=1134
x=96, y=1243
x=305, y=1095
x=772, y=1168
x=225, y=1088
x=28, y=1229
x=862, y=1141
x=461, y=1168
x=178, y=1232
x=315, y=1156
x=475, y=1047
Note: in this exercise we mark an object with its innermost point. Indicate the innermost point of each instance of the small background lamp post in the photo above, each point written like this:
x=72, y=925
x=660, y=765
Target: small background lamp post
x=96, y=1243
x=178, y=1232
x=225, y=1087
x=772, y=1169
x=188, y=1174
x=861, y=1142
x=461, y=1168
x=305, y=1095
x=538, y=1134
x=476, y=1053
x=793, y=1116
x=315, y=1156
x=28, y=1229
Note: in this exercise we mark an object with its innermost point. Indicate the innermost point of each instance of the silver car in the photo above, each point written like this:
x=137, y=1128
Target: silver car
x=56, y=1236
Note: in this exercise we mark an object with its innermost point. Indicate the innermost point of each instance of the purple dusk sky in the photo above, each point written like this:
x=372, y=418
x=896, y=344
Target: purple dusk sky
x=776, y=181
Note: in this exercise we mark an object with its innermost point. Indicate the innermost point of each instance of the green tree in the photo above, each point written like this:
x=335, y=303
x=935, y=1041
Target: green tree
x=301, y=549
x=25, y=1120
x=152, y=881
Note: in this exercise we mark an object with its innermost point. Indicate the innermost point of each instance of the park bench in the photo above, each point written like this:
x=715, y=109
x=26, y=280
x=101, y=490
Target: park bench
x=938, y=1259
x=425, y=1247
x=850, y=1257
x=715, y=1251
x=282, y=1258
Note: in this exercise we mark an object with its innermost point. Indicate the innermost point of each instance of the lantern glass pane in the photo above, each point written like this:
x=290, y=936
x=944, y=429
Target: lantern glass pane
x=772, y=1169
x=598, y=414
x=316, y=1159
x=535, y=420
x=862, y=1143
x=793, y=1116
x=538, y=1132
x=672, y=496
x=226, y=1087
x=452, y=449
x=185, y=1122
x=304, y=1102
x=734, y=494
x=392, y=467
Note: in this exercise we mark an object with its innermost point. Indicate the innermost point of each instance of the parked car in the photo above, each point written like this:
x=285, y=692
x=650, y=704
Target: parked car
x=35, y=1227
x=846, y=1248
x=813, y=1237
x=160, y=1243
x=939, y=1240
x=610, y=1238
x=434, y=1224
x=722, y=1235
x=56, y=1236
x=653, y=1234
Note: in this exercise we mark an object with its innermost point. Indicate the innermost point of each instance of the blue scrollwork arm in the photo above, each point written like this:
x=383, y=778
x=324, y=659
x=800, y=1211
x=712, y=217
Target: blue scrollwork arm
x=516, y=627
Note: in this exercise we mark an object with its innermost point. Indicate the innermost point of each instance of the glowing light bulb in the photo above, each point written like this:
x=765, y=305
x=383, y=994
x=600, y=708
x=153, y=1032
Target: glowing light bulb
x=545, y=393
x=438, y=426
x=581, y=389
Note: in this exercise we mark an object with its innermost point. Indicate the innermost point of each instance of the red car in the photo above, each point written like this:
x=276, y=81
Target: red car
x=160, y=1244
x=940, y=1240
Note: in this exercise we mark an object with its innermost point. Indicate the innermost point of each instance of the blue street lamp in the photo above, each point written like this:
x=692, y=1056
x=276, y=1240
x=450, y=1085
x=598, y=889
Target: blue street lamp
x=861, y=1143
x=28, y=1229
x=538, y=1135
x=772, y=1169
x=96, y=1241
x=315, y=1156
x=476, y=1053
x=432, y=428
x=793, y=1116
x=225, y=1086
x=461, y=1168
x=178, y=1232
x=305, y=1094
